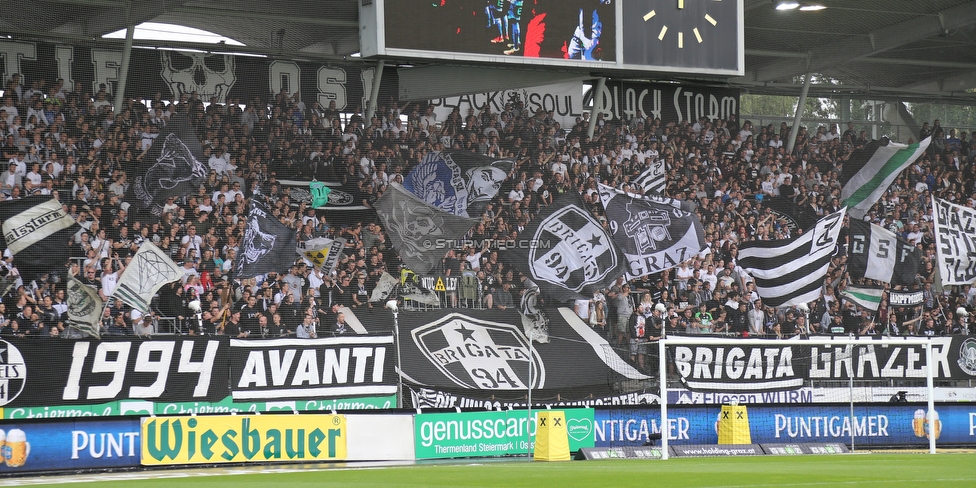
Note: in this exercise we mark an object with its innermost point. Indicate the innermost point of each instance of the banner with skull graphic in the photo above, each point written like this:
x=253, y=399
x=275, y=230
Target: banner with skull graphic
x=421, y=233
x=172, y=168
x=220, y=77
x=653, y=236
x=459, y=182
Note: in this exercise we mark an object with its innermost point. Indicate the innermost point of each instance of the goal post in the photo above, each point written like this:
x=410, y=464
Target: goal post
x=770, y=363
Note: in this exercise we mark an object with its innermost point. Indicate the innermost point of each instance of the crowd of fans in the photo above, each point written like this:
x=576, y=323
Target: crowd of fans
x=64, y=141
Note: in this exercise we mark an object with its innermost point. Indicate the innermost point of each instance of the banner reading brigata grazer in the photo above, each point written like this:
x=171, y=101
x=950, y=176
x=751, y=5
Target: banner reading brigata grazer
x=94, y=372
x=485, y=354
x=786, y=365
x=243, y=438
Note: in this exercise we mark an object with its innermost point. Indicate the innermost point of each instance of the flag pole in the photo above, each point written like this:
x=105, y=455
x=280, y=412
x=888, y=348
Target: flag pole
x=531, y=421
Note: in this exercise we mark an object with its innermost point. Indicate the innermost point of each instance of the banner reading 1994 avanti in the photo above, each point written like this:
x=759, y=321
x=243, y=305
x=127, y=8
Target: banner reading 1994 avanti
x=243, y=438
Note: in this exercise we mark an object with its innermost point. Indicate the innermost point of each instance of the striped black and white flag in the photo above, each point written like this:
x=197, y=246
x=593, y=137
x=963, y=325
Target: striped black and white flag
x=788, y=272
x=654, y=179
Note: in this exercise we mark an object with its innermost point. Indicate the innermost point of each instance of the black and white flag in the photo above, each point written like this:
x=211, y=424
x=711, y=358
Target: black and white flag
x=877, y=253
x=421, y=233
x=385, y=288
x=36, y=230
x=84, y=307
x=268, y=245
x=652, y=236
x=486, y=354
x=790, y=271
x=172, y=168
x=653, y=180
x=321, y=252
x=534, y=318
x=458, y=182
x=955, y=241
x=790, y=214
x=568, y=253
x=148, y=271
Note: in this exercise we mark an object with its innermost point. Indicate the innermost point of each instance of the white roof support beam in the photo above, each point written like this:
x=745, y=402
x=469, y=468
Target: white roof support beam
x=883, y=39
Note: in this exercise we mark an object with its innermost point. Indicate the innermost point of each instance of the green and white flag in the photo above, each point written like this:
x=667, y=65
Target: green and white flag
x=871, y=170
x=868, y=297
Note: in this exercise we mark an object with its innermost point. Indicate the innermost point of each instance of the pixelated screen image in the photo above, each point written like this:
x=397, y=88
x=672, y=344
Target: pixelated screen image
x=582, y=30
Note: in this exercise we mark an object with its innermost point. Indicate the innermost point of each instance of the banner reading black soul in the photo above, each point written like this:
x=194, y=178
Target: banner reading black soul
x=173, y=73
x=292, y=369
x=484, y=354
x=65, y=372
x=788, y=364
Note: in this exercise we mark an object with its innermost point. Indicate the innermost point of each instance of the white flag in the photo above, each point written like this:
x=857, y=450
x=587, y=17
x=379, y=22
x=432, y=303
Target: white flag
x=955, y=241
x=84, y=307
x=149, y=270
x=322, y=253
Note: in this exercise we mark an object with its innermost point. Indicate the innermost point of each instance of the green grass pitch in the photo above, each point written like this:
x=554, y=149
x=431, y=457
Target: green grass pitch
x=852, y=470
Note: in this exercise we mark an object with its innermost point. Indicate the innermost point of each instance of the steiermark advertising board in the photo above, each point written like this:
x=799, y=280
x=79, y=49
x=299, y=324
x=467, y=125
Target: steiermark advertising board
x=492, y=433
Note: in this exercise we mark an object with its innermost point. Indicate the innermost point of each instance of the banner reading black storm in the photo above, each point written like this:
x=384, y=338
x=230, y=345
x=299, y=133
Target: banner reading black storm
x=668, y=102
x=485, y=354
x=172, y=73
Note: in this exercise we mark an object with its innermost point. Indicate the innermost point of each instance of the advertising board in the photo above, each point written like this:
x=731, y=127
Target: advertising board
x=68, y=445
x=243, y=438
x=491, y=433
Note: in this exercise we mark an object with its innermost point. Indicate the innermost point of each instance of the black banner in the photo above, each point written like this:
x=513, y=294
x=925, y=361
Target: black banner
x=173, y=73
x=665, y=101
x=292, y=369
x=65, y=372
x=481, y=354
x=792, y=215
x=787, y=365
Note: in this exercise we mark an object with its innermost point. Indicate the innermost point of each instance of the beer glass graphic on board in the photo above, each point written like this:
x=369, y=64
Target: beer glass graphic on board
x=921, y=427
x=15, y=449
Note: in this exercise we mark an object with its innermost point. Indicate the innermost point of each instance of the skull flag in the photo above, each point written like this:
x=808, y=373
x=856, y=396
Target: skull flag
x=652, y=236
x=172, y=168
x=458, y=182
x=268, y=245
x=420, y=233
x=567, y=252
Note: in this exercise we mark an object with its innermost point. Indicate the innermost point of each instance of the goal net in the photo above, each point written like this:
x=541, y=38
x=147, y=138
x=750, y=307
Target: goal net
x=860, y=392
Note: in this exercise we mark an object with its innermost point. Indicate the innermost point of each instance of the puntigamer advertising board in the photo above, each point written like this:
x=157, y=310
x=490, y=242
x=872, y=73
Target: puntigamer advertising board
x=491, y=433
x=68, y=445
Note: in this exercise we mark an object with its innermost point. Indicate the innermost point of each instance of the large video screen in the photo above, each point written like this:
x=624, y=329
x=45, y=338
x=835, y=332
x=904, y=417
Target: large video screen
x=572, y=30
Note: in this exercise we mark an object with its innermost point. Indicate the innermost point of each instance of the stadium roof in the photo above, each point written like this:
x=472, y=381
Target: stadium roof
x=904, y=49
